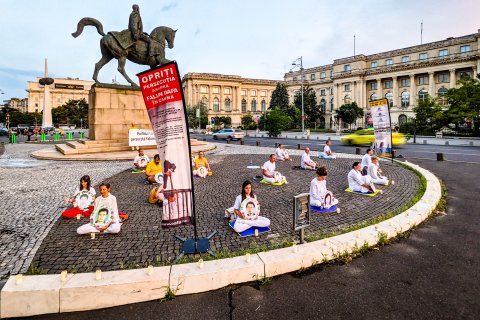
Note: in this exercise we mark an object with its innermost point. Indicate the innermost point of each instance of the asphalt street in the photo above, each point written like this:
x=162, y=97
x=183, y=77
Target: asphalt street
x=431, y=274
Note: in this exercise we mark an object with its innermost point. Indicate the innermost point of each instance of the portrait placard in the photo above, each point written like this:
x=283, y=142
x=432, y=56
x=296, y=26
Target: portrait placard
x=301, y=211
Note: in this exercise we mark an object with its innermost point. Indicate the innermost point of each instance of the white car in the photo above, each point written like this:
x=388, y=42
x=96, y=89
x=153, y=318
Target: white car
x=229, y=134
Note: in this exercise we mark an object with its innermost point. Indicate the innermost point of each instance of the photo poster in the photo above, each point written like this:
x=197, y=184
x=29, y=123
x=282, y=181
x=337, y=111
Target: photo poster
x=162, y=92
x=381, y=127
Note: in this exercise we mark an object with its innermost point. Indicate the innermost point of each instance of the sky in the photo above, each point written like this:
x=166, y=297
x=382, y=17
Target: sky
x=248, y=38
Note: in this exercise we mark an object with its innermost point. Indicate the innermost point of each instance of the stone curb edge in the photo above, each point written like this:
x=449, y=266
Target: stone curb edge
x=49, y=294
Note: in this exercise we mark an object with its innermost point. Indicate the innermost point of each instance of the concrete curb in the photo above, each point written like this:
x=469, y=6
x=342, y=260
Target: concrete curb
x=49, y=294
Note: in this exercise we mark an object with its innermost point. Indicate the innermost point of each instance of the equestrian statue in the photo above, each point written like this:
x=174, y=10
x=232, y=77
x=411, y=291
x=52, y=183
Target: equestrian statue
x=132, y=44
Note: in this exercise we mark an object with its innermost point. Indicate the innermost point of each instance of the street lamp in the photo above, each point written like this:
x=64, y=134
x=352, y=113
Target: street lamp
x=299, y=63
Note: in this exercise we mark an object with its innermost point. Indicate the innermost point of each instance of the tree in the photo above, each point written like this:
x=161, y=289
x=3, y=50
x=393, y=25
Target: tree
x=248, y=123
x=227, y=121
x=349, y=113
x=279, y=97
x=71, y=113
x=310, y=107
x=277, y=121
x=192, y=115
x=429, y=115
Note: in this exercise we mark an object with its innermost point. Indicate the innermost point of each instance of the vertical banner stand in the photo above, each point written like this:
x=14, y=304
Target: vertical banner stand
x=391, y=134
x=195, y=245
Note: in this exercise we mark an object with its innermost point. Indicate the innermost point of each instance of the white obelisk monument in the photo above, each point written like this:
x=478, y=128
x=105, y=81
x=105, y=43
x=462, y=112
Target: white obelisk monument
x=47, y=101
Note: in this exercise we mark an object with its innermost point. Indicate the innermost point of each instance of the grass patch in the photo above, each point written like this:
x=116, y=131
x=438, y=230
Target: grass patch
x=34, y=270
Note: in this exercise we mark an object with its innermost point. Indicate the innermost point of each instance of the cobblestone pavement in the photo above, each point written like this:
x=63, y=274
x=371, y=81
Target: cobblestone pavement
x=142, y=240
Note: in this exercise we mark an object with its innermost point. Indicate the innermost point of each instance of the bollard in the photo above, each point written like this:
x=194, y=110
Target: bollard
x=296, y=137
x=358, y=151
x=69, y=135
x=258, y=144
x=43, y=137
x=242, y=142
x=440, y=157
x=424, y=141
x=56, y=136
x=394, y=153
x=81, y=135
x=299, y=146
x=446, y=143
x=470, y=143
x=228, y=141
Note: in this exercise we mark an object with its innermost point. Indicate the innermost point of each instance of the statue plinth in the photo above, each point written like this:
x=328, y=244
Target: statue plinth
x=113, y=109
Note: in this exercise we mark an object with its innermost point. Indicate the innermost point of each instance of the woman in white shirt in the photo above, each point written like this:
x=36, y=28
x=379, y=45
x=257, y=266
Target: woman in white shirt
x=327, y=152
x=375, y=173
x=318, y=190
x=82, y=199
x=106, y=200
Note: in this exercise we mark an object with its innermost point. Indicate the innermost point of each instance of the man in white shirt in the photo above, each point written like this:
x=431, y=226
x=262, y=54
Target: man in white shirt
x=366, y=161
x=268, y=170
x=307, y=163
x=327, y=152
x=357, y=182
x=141, y=160
x=281, y=154
x=375, y=173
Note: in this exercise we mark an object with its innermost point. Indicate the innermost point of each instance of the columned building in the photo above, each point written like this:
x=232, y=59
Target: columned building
x=403, y=76
x=228, y=95
x=61, y=91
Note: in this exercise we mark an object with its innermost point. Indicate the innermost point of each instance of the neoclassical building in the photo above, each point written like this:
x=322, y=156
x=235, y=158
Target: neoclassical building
x=61, y=91
x=228, y=95
x=403, y=76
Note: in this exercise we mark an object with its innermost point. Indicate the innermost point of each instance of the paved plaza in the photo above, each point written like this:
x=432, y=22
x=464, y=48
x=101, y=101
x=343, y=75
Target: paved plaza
x=32, y=230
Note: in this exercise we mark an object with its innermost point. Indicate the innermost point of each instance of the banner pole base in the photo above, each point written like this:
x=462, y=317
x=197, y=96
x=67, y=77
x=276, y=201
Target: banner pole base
x=192, y=246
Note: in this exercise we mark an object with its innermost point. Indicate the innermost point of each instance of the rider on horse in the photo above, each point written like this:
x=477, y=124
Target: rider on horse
x=135, y=26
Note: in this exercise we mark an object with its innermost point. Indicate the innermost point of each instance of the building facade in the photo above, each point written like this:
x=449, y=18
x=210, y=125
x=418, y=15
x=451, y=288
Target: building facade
x=403, y=76
x=61, y=91
x=228, y=95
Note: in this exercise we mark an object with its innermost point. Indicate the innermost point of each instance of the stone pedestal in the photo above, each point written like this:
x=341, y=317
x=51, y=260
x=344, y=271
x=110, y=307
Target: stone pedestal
x=113, y=109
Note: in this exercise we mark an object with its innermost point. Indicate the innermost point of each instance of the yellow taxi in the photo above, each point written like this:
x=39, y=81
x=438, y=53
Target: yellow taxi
x=365, y=136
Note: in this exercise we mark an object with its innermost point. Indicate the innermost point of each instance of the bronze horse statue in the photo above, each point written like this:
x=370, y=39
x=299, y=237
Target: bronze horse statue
x=122, y=46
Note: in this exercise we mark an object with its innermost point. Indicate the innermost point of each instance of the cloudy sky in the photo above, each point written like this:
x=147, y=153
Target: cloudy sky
x=249, y=38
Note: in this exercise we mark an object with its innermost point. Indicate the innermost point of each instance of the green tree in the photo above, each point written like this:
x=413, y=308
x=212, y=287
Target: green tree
x=192, y=115
x=279, y=98
x=277, y=121
x=71, y=113
x=429, y=115
x=226, y=120
x=248, y=123
x=311, y=109
x=349, y=113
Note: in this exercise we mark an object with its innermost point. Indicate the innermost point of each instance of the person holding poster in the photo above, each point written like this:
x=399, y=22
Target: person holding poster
x=141, y=160
x=375, y=172
x=318, y=190
x=306, y=162
x=201, y=162
x=247, y=210
x=82, y=200
x=269, y=173
x=357, y=182
x=153, y=167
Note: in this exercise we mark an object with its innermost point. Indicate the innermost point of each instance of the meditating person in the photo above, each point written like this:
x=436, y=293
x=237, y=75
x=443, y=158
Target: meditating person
x=108, y=202
x=247, y=216
x=269, y=173
x=281, y=153
x=366, y=161
x=375, y=172
x=201, y=162
x=319, y=192
x=82, y=200
x=327, y=152
x=153, y=167
x=141, y=160
x=306, y=162
x=357, y=182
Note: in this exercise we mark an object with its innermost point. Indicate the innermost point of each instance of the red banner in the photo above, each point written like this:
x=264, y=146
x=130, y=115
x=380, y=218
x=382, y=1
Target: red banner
x=163, y=96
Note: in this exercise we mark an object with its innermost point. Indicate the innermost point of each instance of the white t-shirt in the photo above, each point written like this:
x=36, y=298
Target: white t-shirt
x=372, y=171
x=238, y=201
x=366, y=160
x=141, y=161
x=327, y=150
x=280, y=153
x=269, y=167
x=305, y=159
x=109, y=202
x=91, y=190
x=355, y=180
x=318, y=189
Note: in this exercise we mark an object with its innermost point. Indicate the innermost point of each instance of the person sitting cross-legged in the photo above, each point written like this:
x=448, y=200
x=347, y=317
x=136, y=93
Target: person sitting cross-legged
x=366, y=161
x=357, y=182
x=248, y=216
x=375, y=172
x=327, y=152
x=201, y=162
x=141, y=160
x=318, y=190
x=282, y=154
x=306, y=162
x=269, y=173
x=153, y=167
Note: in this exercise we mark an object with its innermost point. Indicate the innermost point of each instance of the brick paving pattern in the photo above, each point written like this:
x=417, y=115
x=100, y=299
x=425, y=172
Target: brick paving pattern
x=142, y=239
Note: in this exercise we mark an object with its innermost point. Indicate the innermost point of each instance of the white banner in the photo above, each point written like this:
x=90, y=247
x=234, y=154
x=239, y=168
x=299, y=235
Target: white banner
x=381, y=126
x=141, y=137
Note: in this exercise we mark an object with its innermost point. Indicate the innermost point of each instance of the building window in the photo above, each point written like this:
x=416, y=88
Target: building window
x=312, y=76
x=422, y=94
x=389, y=97
x=423, y=80
x=244, y=105
x=294, y=78
x=465, y=74
x=388, y=62
x=263, y=105
x=216, y=90
x=253, y=105
x=465, y=49
x=441, y=96
x=405, y=99
x=443, y=77
x=216, y=105
x=423, y=56
x=373, y=96
x=374, y=64
x=322, y=92
x=203, y=89
x=373, y=85
x=405, y=59
x=263, y=93
x=346, y=87
x=253, y=93
x=402, y=119
x=331, y=105
x=347, y=99
x=346, y=67
x=323, y=105
x=204, y=102
x=331, y=74
x=323, y=75
x=405, y=82
x=443, y=53
x=244, y=92
x=388, y=84
x=227, y=90
x=331, y=91
x=304, y=77
x=228, y=106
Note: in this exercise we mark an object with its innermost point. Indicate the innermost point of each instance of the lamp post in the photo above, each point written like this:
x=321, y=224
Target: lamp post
x=299, y=63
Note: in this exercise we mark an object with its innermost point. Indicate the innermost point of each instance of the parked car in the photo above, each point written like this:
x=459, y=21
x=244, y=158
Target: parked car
x=229, y=134
x=3, y=132
x=366, y=137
